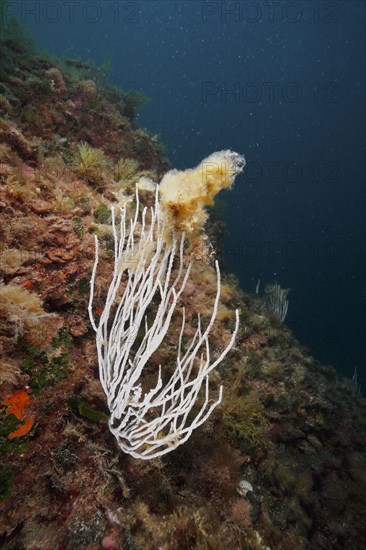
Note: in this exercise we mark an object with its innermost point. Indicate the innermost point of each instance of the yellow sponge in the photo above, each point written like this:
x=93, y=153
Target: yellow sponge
x=184, y=194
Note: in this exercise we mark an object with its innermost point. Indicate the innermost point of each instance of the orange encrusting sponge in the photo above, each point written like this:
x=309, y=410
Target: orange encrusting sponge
x=16, y=403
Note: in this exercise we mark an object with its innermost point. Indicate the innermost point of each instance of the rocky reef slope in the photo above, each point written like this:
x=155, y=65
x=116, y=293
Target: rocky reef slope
x=280, y=464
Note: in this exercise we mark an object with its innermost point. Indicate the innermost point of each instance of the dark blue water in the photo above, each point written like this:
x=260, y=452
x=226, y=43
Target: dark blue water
x=284, y=84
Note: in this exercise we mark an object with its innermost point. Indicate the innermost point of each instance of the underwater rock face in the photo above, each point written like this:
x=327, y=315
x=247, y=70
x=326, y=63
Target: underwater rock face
x=286, y=423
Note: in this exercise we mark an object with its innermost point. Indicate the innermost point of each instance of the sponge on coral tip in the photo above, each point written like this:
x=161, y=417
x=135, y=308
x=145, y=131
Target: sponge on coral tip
x=185, y=193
